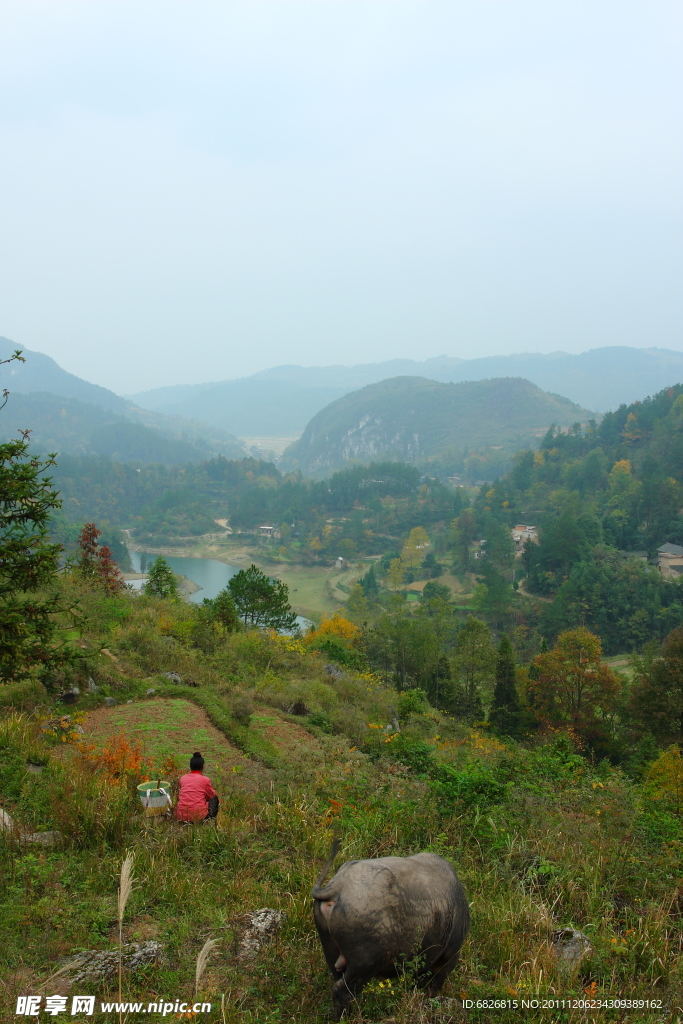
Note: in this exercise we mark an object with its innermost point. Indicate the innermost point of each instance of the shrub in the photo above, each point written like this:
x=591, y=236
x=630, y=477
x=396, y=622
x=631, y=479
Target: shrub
x=474, y=784
x=322, y=720
x=241, y=706
x=411, y=702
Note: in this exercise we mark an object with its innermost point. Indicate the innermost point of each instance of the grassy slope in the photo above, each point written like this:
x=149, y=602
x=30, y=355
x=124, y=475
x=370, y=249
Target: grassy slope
x=563, y=843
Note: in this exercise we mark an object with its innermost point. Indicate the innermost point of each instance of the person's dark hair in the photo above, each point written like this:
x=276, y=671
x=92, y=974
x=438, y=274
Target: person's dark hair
x=196, y=762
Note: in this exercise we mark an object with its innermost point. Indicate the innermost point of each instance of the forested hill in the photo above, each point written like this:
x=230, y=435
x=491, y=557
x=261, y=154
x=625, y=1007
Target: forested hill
x=596, y=495
x=41, y=373
x=427, y=423
x=69, y=426
x=279, y=401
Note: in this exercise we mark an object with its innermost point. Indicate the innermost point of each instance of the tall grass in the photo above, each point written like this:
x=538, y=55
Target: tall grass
x=202, y=960
x=125, y=889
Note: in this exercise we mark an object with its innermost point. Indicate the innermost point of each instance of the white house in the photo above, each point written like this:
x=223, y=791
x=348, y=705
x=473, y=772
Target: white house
x=521, y=534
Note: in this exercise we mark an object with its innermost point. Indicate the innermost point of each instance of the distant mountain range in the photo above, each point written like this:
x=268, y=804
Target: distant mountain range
x=280, y=401
x=71, y=416
x=41, y=373
x=193, y=422
x=423, y=421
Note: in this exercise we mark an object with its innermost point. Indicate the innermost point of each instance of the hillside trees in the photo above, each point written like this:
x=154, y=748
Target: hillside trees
x=161, y=581
x=261, y=603
x=505, y=713
x=472, y=663
x=32, y=643
x=623, y=600
x=572, y=687
x=656, y=698
x=408, y=651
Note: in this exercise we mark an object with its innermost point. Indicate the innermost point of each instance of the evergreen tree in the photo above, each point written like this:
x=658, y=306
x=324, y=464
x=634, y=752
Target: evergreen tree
x=369, y=583
x=430, y=568
x=222, y=609
x=505, y=713
x=161, y=581
x=32, y=642
x=473, y=663
x=261, y=602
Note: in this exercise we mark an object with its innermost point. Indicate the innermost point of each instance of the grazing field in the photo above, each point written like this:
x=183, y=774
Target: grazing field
x=169, y=730
x=544, y=839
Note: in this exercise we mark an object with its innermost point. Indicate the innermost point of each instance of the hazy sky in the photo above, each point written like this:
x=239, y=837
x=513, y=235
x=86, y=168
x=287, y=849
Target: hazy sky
x=195, y=190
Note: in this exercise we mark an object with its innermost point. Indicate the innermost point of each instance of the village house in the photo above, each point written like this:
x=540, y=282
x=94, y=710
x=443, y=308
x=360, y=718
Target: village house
x=640, y=556
x=670, y=560
x=521, y=534
x=269, y=531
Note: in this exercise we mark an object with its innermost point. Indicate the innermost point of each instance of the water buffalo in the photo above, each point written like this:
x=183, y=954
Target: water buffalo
x=374, y=916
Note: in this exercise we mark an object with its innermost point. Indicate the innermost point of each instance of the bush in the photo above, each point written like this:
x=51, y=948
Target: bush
x=412, y=702
x=241, y=706
x=474, y=784
x=322, y=720
x=414, y=754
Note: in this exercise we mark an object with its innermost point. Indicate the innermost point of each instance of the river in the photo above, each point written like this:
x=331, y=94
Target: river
x=210, y=575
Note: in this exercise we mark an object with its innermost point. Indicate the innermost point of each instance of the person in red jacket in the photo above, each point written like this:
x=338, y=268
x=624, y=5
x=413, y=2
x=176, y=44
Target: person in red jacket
x=198, y=800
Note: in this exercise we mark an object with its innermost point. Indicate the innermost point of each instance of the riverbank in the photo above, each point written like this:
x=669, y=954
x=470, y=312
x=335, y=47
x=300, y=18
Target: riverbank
x=314, y=591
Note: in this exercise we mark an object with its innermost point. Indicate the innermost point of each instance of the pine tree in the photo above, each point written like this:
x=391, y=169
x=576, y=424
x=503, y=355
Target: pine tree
x=473, y=663
x=369, y=583
x=261, y=602
x=161, y=581
x=32, y=642
x=221, y=609
x=505, y=713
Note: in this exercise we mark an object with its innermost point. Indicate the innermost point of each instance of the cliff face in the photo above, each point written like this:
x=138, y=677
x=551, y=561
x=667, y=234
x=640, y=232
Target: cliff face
x=417, y=420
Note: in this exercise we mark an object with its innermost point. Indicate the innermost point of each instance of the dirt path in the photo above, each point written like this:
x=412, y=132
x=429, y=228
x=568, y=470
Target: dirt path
x=172, y=727
x=535, y=597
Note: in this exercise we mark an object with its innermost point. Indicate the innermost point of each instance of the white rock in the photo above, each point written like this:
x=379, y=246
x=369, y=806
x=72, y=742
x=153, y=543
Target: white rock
x=570, y=946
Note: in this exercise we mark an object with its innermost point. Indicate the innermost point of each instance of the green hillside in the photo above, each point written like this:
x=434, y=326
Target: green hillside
x=604, y=499
x=542, y=838
x=424, y=422
x=69, y=426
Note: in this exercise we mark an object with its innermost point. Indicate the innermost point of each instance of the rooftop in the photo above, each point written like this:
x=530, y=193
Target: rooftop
x=670, y=549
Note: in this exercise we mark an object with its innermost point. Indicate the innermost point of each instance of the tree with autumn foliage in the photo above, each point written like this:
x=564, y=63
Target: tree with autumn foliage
x=338, y=639
x=415, y=547
x=571, y=686
x=95, y=563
